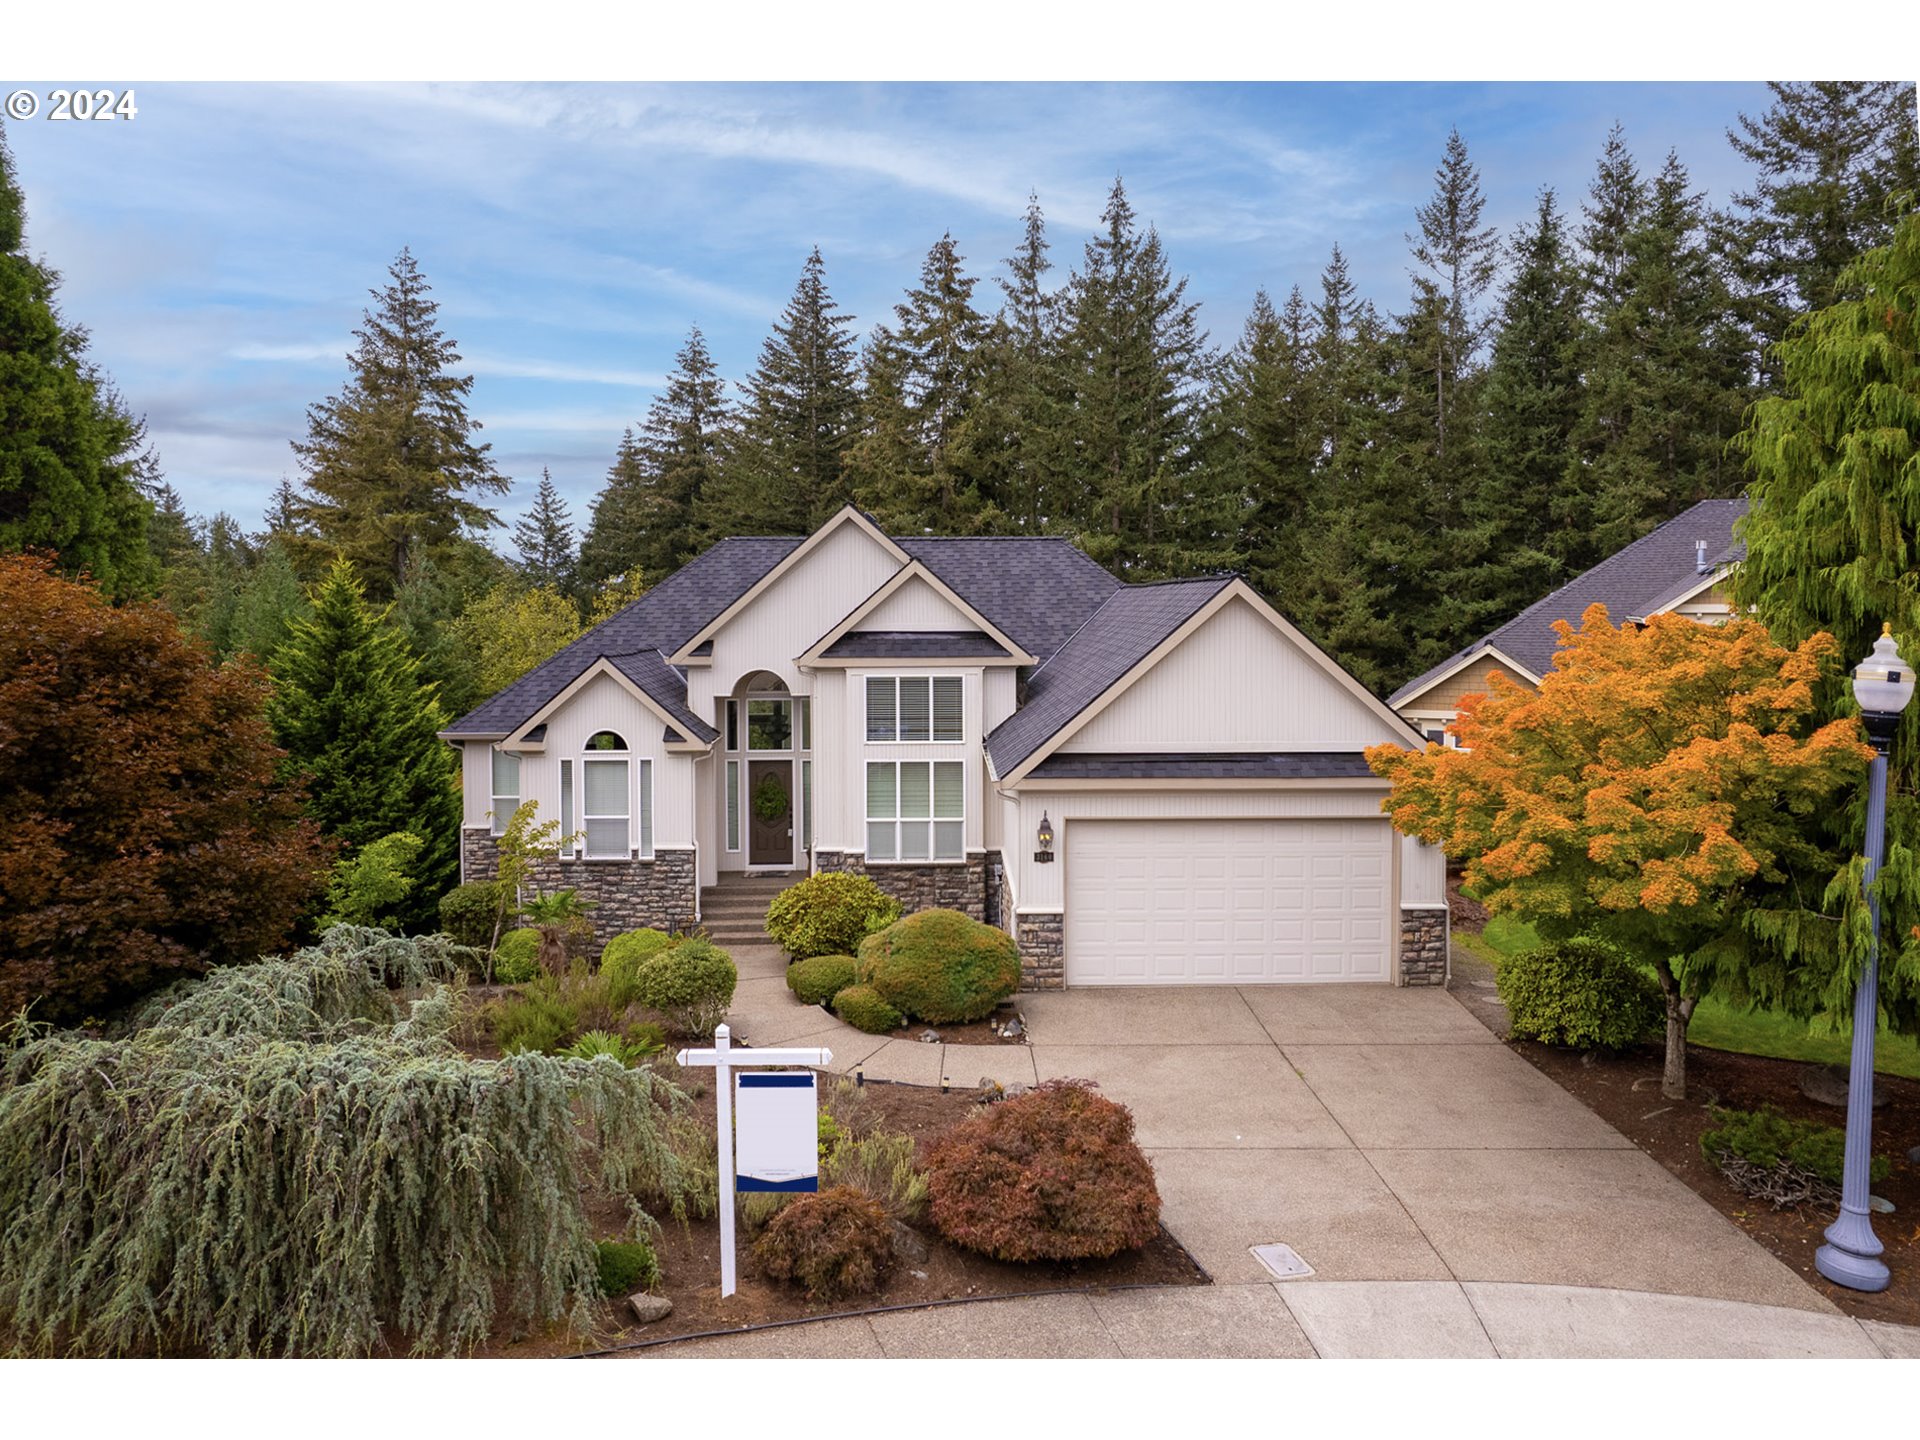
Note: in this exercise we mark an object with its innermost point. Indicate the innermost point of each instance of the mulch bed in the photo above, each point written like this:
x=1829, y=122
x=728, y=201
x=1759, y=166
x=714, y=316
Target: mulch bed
x=690, y=1257
x=1624, y=1090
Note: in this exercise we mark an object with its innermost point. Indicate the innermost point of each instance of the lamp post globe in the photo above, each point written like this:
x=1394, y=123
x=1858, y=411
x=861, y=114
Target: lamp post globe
x=1883, y=686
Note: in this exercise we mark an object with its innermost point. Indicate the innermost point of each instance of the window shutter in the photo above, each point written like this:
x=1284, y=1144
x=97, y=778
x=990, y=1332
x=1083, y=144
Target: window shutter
x=949, y=712
x=880, y=713
x=646, y=807
x=915, y=708
x=732, y=805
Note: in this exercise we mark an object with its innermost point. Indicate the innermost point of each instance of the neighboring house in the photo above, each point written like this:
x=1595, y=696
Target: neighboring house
x=1144, y=784
x=1680, y=567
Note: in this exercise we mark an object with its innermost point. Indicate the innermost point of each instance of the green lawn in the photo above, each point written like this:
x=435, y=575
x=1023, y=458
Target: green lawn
x=1720, y=1026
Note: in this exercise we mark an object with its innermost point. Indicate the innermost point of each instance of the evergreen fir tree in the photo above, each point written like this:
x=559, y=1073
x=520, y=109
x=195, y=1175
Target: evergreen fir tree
x=788, y=473
x=1462, y=255
x=1612, y=210
x=1138, y=361
x=687, y=432
x=926, y=366
x=282, y=518
x=351, y=712
x=1531, y=405
x=270, y=601
x=72, y=458
x=617, y=525
x=1667, y=378
x=1014, y=440
x=544, y=539
x=393, y=474
x=1830, y=155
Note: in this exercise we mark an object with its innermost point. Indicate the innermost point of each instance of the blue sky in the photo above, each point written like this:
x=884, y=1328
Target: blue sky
x=219, y=247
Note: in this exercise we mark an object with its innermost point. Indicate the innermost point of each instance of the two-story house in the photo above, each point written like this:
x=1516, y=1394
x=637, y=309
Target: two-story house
x=1144, y=784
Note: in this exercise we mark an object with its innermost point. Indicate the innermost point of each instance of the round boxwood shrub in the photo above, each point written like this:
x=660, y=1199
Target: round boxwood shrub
x=817, y=981
x=467, y=912
x=626, y=1266
x=829, y=914
x=940, y=966
x=691, y=984
x=1583, y=993
x=836, y=1243
x=516, y=959
x=861, y=1007
x=1053, y=1174
x=620, y=962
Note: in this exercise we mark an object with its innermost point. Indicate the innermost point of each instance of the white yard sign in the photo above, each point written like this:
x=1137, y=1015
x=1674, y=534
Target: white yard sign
x=777, y=1121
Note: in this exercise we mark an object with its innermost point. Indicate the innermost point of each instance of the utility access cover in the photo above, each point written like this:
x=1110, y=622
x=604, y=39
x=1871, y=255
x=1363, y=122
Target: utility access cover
x=1282, y=1261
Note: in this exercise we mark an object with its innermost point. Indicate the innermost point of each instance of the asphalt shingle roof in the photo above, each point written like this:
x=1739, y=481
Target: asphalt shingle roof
x=662, y=620
x=1115, y=638
x=915, y=645
x=1035, y=590
x=1632, y=582
x=1270, y=765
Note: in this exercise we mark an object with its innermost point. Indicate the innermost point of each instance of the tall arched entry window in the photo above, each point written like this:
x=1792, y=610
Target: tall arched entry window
x=769, y=774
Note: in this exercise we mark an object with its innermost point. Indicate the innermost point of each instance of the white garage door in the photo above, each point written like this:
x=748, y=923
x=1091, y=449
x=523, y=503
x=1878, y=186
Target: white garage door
x=1227, y=902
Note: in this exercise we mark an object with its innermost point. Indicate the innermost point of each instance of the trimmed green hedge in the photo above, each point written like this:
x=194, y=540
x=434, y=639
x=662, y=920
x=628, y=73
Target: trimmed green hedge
x=861, y=1007
x=621, y=959
x=829, y=914
x=1582, y=993
x=941, y=967
x=817, y=981
x=691, y=984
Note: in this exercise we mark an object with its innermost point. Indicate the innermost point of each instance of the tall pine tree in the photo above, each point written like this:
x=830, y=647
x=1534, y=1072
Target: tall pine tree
x=685, y=440
x=1530, y=405
x=1138, y=361
x=351, y=712
x=927, y=365
x=616, y=534
x=788, y=472
x=544, y=540
x=1829, y=156
x=72, y=459
x=393, y=473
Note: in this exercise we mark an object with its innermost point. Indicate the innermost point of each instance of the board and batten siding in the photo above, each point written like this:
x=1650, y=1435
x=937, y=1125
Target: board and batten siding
x=915, y=606
x=786, y=619
x=1236, y=683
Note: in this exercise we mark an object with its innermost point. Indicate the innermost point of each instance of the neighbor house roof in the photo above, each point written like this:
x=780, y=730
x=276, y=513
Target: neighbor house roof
x=915, y=645
x=1638, y=580
x=1126, y=628
x=1259, y=765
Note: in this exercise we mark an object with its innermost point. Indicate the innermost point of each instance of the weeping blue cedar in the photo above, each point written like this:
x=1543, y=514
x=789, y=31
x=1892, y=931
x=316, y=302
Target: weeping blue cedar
x=274, y=1161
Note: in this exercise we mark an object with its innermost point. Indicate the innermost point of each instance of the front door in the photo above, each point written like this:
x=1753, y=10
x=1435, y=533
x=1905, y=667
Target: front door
x=770, y=804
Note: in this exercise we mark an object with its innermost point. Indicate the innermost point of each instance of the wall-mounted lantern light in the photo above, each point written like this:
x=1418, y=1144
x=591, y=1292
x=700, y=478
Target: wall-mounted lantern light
x=1044, y=855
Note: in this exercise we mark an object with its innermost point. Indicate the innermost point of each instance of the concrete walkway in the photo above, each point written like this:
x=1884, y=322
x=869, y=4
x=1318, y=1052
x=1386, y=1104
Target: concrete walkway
x=1451, y=1199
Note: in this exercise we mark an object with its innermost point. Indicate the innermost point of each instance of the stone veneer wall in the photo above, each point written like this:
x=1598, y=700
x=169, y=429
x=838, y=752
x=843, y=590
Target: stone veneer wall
x=1043, y=951
x=1423, y=946
x=662, y=893
x=961, y=887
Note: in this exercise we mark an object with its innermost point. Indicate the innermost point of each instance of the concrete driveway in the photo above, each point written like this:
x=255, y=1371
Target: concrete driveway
x=1451, y=1199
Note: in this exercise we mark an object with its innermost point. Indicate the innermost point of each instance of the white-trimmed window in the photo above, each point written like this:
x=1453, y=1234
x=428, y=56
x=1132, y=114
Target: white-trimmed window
x=606, y=800
x=916, y=810
x=569, y=837
x=506, y=788
x=806, y=805
x=770, y=724
x=916, y=708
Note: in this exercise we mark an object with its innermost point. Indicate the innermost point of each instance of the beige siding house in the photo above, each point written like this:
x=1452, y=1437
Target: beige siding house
x=1680, y=568
x=1144, y=784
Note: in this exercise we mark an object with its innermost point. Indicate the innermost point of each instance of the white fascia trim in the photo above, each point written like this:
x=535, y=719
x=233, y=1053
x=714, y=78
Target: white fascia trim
x=1707, y=582
x=604, y=666
x=848, y=515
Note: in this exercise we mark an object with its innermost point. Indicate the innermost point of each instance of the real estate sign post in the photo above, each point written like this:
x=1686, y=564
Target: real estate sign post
x=778, y=1132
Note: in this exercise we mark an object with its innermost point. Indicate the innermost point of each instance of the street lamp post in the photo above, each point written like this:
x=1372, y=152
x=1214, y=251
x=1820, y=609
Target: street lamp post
x=1883, y=684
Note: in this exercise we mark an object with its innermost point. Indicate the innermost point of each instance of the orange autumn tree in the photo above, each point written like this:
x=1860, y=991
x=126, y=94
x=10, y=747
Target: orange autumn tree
x=1660, y=789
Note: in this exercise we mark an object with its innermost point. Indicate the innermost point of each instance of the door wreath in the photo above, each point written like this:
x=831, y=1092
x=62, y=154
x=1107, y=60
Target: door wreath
x=770, y=799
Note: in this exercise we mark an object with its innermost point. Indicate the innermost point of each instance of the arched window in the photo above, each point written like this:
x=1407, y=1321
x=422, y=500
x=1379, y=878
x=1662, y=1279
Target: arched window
x=606, y=740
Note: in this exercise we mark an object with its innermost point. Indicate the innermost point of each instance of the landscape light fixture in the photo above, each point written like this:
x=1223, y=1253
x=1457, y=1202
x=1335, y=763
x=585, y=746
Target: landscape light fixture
x=1883, y=684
